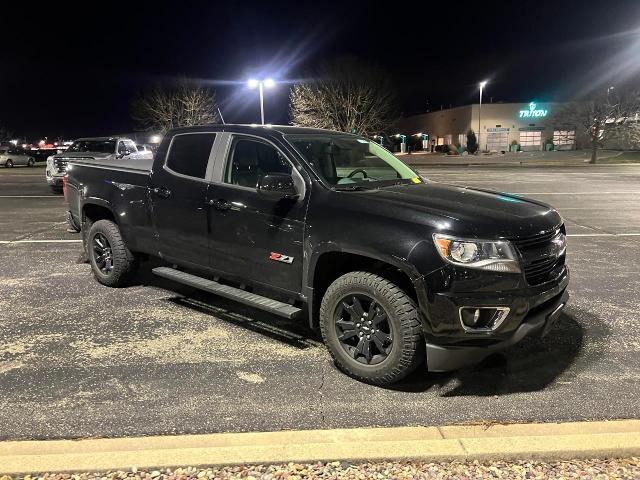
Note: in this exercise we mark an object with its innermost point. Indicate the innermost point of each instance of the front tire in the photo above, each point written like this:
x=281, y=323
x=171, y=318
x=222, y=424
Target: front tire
x=9, y=164
x=111, y=261
x=31, y=162
x=371, y=328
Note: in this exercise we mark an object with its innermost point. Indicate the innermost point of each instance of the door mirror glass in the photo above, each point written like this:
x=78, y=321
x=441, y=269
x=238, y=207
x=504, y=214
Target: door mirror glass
x=277, y=186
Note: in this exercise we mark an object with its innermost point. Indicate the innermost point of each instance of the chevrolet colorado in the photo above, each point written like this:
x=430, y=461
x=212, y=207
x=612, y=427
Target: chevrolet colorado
x=330, y=226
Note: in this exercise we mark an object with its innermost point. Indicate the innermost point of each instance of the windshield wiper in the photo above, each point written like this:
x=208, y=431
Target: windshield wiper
x=353, y=188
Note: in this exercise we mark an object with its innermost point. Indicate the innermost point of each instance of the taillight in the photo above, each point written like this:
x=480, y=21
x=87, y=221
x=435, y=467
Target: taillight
x=65, y=179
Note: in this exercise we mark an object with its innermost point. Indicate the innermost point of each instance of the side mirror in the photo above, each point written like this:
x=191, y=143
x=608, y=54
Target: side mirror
x=277, y=186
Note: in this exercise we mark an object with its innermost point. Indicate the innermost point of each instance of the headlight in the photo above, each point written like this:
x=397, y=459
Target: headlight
x=492, y=255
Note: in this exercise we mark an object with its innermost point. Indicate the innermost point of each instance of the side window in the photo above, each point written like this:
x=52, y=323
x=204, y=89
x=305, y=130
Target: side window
x=130, y=146
x=122, y=149
x=189, y=154
x=250, y=159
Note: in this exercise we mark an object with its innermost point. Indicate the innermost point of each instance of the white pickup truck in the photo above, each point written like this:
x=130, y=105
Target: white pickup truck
x=103, y=148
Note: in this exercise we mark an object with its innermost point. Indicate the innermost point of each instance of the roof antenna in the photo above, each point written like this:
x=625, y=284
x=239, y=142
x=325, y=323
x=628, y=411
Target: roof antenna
x=221, y=117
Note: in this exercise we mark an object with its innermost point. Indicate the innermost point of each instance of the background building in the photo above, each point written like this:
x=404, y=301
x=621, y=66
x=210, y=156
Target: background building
x=529, y=124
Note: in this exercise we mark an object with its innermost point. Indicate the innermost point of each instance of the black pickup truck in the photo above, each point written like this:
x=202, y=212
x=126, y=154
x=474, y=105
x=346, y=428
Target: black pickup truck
x=330, y=227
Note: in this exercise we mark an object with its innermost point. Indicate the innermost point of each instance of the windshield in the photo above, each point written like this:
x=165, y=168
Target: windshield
x=346, y=161
x=98, y=146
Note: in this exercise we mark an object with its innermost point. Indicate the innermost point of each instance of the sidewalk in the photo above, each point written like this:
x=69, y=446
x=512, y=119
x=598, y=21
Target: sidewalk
x=483, y=443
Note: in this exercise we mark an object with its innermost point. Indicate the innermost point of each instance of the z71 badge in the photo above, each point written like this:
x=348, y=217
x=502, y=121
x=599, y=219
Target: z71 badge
x=278, y=257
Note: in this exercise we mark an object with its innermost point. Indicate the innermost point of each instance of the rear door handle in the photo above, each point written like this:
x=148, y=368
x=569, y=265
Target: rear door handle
x=162, y=192
x=220, y=204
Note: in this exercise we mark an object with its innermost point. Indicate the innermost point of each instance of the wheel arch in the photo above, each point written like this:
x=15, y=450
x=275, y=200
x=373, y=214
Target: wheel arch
x=326, y=265
x=97, y=209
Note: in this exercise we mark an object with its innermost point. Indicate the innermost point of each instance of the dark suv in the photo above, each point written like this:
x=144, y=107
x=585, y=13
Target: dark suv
x=330, y=226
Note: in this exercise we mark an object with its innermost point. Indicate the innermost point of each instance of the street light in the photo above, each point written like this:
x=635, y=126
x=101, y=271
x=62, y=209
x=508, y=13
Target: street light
x=482, y=85
x=261, y=84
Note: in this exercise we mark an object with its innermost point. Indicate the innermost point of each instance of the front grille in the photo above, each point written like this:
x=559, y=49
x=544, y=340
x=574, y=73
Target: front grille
x=536, y=241
x=541, y=262
x=539, y=271
x=61, y=165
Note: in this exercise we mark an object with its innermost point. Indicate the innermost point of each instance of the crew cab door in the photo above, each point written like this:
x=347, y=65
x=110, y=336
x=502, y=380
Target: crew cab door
x=253, y=237
x=178, y=192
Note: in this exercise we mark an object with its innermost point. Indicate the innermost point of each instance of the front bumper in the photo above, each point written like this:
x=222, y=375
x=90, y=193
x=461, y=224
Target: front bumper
x=55, y=180
x=446, y=358
x=449, y=346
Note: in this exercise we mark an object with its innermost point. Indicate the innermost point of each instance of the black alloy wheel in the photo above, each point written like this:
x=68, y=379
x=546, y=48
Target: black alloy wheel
x=363, y=329
x=102, y=254
x=371, y=328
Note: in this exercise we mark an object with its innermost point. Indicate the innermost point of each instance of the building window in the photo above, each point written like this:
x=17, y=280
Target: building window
x=564, y=137
x=462, y=139
x=440, y=140
x=531, y=139
x=448, y=139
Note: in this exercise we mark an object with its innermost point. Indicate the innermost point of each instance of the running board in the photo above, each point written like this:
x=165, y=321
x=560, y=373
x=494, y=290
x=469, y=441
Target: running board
x=248, y=298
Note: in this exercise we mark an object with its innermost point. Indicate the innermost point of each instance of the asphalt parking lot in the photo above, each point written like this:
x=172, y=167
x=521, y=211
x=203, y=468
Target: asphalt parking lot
x=81, y=360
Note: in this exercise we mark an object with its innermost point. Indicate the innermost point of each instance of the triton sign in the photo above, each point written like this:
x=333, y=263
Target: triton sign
x=533, y=111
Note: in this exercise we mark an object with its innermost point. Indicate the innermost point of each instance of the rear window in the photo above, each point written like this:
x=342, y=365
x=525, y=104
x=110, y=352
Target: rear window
x=189, y=154
x=95, y=146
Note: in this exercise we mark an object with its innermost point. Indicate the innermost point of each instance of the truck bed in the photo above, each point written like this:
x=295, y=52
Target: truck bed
x=134, y=165
x=121, y=187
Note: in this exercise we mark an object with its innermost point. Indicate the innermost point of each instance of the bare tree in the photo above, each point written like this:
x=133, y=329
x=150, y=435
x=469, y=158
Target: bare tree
x=184, y=105
x=5, y=134
x=345, y=95
x=606, y=118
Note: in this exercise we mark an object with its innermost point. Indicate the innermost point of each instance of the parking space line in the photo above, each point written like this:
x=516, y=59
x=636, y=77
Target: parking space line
x=603, y=235
x=577, y=193
x=6, y=242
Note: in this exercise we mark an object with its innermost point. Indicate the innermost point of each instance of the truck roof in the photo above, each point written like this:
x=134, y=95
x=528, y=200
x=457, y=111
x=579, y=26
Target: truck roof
x=266, y=129
x=100, y=139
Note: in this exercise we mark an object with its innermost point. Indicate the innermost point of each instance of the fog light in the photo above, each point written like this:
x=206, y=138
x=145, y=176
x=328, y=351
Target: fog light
x=482, y=319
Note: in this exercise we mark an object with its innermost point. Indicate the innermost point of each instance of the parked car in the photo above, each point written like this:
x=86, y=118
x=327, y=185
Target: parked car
x=104, y=148
x=332, y=227
x=13, y=156
x=144, y=150
x=41, y=154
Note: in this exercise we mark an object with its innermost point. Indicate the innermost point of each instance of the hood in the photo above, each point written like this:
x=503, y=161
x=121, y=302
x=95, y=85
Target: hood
x=467, y=211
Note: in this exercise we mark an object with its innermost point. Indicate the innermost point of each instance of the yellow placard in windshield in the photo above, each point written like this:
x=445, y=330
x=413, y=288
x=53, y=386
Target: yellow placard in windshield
x=416, y=180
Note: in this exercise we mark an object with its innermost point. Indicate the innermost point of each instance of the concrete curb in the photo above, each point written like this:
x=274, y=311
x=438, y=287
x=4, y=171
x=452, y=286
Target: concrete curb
x=564, y=441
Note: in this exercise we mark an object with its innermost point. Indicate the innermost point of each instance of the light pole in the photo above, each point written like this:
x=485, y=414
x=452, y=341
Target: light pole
x=261, y=84
x=482, y=84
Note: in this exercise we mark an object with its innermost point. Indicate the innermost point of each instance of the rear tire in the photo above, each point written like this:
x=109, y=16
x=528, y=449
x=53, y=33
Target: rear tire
x=361, y=308
x=31, y=162
x=9, y=164
x=111, y=261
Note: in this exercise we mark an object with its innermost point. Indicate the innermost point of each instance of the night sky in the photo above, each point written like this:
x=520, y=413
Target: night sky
x=71, y=69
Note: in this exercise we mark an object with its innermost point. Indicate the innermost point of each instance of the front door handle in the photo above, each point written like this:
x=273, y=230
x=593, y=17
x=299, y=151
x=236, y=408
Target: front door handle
x=162, y=192
x=220, y=204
